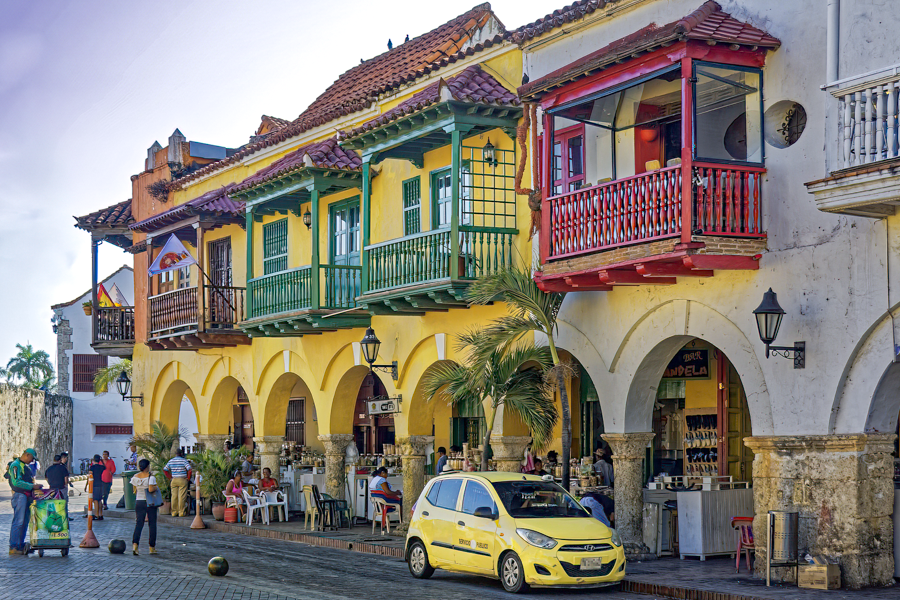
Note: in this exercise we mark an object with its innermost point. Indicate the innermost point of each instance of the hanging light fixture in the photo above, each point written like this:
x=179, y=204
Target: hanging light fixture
x=490, y=154
x=123, y=384
x=768, y=321
x=307, y=219
x=370, y=345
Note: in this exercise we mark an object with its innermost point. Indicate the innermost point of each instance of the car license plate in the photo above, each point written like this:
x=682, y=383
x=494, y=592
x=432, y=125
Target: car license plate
x=591, y=564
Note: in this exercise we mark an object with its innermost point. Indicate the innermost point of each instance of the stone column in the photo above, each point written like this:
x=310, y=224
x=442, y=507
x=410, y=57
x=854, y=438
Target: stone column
x=629, y=451
x=842, y=488
x=212, y=441
x=269, y=449
x=335, y=448
x=412, y=451
x=509, y=452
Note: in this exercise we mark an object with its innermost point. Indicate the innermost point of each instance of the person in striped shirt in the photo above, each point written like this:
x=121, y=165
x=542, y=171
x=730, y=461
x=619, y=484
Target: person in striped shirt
x=179, y=471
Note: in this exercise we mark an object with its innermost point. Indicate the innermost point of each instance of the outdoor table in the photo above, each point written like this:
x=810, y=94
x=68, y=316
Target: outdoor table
x=331, y=507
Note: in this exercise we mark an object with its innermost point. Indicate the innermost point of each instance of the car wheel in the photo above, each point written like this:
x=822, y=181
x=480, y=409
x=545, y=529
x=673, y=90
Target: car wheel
x=512, y=575
x=418, y=562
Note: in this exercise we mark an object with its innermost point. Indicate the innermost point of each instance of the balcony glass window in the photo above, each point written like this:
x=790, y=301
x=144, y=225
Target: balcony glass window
x=275, y=246
x=442, y=198
x=728, y=119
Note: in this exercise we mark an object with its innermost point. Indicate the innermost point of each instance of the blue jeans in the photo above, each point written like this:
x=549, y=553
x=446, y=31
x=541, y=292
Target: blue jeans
x=19, y=528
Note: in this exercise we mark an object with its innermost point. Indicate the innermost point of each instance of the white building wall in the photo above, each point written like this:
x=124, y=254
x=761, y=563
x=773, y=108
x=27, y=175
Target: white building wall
x=89, y=410
x=829, y=270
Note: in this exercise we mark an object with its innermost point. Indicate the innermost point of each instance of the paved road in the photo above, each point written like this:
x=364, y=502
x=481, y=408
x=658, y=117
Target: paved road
x=260, y=570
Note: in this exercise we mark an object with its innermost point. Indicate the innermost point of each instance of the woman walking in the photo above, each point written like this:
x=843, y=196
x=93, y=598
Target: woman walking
x=144, y=483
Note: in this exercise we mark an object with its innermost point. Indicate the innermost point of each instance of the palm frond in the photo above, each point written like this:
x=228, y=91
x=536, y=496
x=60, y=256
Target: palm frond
x=529, y=397
x=517, y=288
x=106, y=376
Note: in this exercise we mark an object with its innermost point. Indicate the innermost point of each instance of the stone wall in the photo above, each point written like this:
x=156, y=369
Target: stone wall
x=33, y=419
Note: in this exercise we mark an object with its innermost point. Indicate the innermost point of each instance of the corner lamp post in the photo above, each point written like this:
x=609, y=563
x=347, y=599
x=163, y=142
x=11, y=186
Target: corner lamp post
x=370, y=346
x=124, y=386
x=768, y=319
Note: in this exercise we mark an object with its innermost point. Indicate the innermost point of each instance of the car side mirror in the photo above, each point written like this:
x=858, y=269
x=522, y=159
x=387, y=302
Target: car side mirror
x=484, y=512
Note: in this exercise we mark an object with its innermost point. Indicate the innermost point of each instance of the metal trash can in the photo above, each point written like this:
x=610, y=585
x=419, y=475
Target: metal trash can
x=784, y=541
x=129, y=491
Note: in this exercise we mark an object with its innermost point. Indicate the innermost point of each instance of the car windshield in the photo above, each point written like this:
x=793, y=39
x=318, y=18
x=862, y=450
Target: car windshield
x=537, y=499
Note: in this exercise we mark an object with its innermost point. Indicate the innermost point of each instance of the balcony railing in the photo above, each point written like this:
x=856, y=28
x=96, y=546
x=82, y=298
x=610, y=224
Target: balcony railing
x=648, y=207
x=177, y=311
x=280, y=292
x=342, y=285
x=174, y=311
x=868, y=113
x=426, y=257
x=115, y=324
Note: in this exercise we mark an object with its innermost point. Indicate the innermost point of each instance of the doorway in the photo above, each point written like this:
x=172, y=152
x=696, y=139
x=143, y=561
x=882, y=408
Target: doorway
x=371, y=432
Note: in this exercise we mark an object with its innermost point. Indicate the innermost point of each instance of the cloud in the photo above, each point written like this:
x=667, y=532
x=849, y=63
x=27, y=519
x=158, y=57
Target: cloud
x=20, y=53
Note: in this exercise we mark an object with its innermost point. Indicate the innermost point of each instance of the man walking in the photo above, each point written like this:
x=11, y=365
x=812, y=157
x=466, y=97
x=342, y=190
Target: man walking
x=97, y=469
x=107, y=477
x=441, y=460
x=179, y=471
x=57, y=476
x=21, y=482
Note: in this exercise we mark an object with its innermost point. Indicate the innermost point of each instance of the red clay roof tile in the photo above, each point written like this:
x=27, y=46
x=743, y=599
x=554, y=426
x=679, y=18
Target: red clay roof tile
x=708, y=22
x=326, y=155
x=558, y=18
x=357, y=88
x=117, y=215
x=212, y=203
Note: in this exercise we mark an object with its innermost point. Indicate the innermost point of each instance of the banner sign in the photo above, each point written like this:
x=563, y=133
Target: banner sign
x=49, y=522
x=382, y=405
x=689, y=363
x=172, y=256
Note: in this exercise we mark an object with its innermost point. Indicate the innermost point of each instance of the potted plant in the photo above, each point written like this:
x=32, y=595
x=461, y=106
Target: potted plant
x=87, y=307
x=158, y=446
x=216, y=467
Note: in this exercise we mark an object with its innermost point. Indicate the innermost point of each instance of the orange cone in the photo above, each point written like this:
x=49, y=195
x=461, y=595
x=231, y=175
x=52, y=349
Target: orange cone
x=197, y=523
x=90, y=540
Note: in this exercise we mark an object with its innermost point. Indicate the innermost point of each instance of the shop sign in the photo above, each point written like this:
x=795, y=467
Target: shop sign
x=383, y=405
x=689, y=363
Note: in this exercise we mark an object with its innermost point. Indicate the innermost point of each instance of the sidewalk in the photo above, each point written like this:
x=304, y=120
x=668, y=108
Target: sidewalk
x=688, y=579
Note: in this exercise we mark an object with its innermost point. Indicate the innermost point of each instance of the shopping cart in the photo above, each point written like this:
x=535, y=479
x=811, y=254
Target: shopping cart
x=49, y=523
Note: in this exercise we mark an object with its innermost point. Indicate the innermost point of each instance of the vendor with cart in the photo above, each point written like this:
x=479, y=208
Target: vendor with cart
x=21, y=482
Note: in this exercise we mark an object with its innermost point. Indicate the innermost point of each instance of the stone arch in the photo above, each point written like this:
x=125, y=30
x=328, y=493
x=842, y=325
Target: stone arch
x=664, y=330
x=422, y=411
x=340, y=418
x=220, y=414
x=885, y=407
x=421, y=356
x=862, y=396
x=274, y=411
x=168, y=391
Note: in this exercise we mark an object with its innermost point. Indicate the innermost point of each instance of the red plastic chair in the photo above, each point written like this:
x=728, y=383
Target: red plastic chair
x=744, y=525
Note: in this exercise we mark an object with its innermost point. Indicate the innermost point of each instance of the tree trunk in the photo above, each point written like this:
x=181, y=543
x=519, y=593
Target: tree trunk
x=566, y=427
x=487, y=440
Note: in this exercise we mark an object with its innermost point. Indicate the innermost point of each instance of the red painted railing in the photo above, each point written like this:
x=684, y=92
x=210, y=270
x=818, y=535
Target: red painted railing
x=647, y=207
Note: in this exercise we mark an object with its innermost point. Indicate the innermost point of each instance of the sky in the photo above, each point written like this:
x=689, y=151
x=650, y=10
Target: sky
x=87, y=86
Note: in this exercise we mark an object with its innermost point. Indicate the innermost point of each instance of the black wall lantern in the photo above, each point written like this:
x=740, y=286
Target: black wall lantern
x=370, y=346
x=768, y=320
x=307, y=219
x=124, y=386
x=489, y=154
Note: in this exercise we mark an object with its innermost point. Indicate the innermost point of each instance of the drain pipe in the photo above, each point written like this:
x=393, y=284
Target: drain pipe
x=833, y=41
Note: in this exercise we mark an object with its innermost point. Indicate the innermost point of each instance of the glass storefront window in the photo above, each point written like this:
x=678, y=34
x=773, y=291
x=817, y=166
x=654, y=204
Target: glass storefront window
x=728, y=119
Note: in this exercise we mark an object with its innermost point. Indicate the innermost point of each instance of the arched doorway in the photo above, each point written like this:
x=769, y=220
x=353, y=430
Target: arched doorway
x=243, y=427
x=371, y=432
x=700, y=417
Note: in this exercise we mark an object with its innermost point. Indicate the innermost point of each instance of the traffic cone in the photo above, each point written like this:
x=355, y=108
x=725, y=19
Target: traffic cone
x=197, y=523
x=90, y=540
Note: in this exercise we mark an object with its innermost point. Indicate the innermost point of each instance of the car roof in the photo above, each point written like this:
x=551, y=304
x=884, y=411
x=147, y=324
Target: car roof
x=492, y=476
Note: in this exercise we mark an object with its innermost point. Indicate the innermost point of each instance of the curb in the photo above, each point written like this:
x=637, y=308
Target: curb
x=680, y=593
x=287, y=536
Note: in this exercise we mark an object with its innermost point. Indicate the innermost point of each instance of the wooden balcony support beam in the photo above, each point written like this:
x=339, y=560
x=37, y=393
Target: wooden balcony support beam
x=670, y=269
x=724, y=262
x=587, y=282
x=629, y=277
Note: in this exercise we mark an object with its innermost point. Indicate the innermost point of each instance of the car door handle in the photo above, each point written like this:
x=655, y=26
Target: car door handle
x=460, y=523
x=424, y=513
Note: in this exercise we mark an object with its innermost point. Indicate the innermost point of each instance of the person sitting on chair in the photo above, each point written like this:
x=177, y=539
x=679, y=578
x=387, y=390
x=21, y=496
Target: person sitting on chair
x=380, y=488
x=267, y=483
x=235, y=489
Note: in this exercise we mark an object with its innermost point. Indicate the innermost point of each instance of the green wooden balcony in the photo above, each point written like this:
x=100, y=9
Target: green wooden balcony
x=421, y=272
x=303, y=301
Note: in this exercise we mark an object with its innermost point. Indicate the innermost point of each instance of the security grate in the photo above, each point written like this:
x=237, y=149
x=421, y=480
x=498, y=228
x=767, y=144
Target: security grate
x=412, y=206
x=275, y=247
x=84, y=368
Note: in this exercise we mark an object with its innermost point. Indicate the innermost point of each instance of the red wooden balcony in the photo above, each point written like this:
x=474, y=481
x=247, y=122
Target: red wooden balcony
x=184, y=319
x=631, y=231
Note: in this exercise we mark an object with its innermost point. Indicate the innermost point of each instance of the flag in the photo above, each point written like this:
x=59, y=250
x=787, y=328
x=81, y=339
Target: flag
x=172, y=256
x=103, y=299
x=117, y=296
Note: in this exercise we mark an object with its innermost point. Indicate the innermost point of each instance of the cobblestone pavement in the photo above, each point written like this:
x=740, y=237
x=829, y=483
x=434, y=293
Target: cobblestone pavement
x=259, y=570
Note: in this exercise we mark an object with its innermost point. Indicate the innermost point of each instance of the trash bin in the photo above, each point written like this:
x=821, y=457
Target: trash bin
x=129, y=491
x=784, y=538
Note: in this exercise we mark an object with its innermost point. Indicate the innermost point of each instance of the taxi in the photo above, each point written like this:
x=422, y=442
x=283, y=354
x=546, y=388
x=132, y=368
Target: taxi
x=522, y=529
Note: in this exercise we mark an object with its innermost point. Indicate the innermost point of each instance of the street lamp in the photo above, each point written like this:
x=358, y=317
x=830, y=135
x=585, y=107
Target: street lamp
x=370, y=346
x=123, y=384
x=307, y=219
x=768, y=320
x=489, y=154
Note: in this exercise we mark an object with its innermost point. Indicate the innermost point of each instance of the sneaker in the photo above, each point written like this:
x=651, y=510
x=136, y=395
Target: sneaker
x=14, y=551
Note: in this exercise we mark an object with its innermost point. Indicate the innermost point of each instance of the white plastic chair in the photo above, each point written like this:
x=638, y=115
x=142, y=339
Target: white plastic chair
x=275, y=499
x=255, y=503
x=380, y=515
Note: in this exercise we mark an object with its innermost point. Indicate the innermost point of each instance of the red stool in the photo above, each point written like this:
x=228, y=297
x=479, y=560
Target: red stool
x=744, y=525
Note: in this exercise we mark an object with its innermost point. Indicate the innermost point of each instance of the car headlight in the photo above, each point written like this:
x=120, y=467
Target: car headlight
x=615, y=539
x=536, y=539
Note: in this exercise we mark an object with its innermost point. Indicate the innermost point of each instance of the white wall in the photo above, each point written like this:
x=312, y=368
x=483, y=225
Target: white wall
x=89, y=410
x=828, y=270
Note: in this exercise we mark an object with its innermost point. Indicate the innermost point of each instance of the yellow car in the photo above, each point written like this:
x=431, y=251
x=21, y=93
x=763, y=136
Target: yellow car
x=522, y=529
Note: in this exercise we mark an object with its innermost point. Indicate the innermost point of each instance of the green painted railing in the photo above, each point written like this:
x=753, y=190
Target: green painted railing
x=425, y=257
x=342, y=285
x=279, y=292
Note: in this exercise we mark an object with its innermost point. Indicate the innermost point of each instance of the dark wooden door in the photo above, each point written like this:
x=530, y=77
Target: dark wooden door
x=220, y=299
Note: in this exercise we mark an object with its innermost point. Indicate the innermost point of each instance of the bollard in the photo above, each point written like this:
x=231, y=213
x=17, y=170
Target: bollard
x=90, y=540
x=197, y=523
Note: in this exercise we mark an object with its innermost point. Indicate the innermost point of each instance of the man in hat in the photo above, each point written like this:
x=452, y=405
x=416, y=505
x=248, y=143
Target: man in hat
x=21, y=482
x=603, y=466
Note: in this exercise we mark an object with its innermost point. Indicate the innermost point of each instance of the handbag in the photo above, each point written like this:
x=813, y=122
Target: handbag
x=154, y=499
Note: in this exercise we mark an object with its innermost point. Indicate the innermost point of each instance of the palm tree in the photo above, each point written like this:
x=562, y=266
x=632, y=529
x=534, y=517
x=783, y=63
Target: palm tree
x=511, y=376
x=107, y=376
x=158, y=446
x=531, y=311
x=33, y=366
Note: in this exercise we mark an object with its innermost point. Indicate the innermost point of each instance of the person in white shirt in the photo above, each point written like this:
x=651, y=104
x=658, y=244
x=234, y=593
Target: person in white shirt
x=143, y=483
